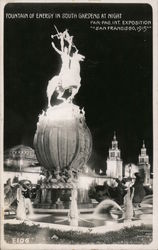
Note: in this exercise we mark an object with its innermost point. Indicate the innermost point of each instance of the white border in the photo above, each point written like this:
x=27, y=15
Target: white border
x=154, y=244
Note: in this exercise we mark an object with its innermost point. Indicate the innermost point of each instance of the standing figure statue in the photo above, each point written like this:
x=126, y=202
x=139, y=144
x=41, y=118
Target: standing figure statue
x=65, y=56
x=21, y=209
x=69, y=75
x=128, y=205
x=8, y=194
x=139, y=191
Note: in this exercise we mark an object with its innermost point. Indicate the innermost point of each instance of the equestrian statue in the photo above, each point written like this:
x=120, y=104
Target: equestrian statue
x=69, y=75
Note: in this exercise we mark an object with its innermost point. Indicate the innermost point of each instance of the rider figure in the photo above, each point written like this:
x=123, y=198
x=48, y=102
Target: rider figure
x=64, y=52
x=69, y=76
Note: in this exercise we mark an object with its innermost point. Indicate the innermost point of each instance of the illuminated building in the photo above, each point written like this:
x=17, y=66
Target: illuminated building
x=20, y=161
x=143, y=164
x=114, y=162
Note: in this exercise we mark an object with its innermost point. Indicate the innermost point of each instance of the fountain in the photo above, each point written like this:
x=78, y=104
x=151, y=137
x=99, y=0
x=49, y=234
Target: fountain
x=62, y=140
x=63, y=145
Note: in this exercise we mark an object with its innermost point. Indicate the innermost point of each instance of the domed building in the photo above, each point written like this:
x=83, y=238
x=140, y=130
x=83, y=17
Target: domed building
x=20, y=161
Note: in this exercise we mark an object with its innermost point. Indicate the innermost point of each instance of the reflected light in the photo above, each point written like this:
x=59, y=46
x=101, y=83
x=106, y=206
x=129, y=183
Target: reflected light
x=63, y=112
x=84, y=182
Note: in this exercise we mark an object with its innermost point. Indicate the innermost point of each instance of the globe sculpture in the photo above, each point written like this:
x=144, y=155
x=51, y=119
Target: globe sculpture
x=62, y=140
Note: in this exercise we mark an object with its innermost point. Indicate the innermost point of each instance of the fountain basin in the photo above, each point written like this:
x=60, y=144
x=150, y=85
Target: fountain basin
x=93, y=219
x=96, y=230
x=58, y=219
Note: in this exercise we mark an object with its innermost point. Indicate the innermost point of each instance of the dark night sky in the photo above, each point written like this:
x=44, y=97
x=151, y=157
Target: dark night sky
x=116, y=86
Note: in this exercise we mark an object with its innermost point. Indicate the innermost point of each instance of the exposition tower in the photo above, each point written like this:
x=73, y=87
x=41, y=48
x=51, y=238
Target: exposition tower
x=114, y=162
x=143, y=164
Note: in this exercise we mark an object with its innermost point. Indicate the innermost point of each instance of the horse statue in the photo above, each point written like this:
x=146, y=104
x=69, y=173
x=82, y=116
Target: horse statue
x=69, y=76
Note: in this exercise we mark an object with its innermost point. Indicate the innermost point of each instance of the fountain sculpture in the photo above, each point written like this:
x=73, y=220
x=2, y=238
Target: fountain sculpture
x=128, y=205
x=62, y=140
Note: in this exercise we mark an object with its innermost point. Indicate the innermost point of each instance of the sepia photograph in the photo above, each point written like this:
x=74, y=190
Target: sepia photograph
x=78, y=125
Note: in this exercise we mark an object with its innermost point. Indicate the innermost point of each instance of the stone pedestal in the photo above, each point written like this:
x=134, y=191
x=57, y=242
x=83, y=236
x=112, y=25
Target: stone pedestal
x=48, y=197
x=43, y=195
